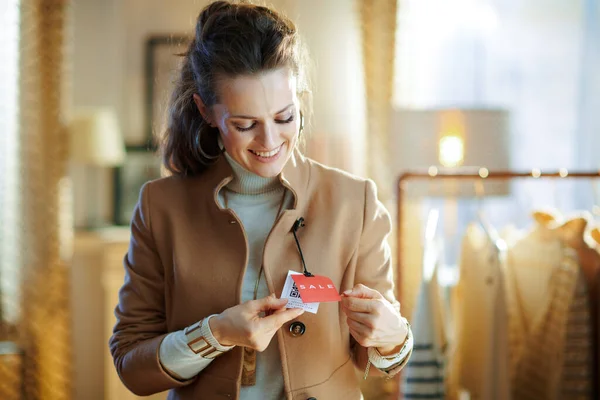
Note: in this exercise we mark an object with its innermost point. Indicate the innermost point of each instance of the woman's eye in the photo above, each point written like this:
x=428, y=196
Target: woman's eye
x=245, y=128
x=250, y=127
x=285, y=121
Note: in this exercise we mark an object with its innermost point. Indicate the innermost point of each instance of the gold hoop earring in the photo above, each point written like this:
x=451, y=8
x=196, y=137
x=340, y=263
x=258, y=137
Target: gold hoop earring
x=301, y=123
x=201, y=150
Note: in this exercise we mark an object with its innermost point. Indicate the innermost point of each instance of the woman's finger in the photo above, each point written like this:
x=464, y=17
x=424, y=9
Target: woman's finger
x=277, y=311
x=363, y=292
x=359, y=332
x=358, y=305
x=363, y=318
x=277, y=319
x=268, y=303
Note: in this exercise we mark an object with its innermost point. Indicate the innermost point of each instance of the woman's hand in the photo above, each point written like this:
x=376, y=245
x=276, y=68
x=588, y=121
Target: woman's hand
x=373, y=321
x=243, y=325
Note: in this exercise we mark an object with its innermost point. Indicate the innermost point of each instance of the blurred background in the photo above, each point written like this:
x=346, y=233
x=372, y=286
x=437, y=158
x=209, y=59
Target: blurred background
x=504, y=93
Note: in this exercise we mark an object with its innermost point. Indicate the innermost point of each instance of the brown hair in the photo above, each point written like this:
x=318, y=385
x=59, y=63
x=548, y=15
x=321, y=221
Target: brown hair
x=231, y=39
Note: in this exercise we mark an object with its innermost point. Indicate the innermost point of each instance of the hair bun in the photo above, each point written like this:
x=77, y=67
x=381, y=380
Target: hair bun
x=212, y=9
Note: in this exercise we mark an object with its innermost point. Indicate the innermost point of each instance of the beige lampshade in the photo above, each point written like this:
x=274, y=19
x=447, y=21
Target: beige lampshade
x=451, y=139
x=96, y=138
x=468, y=137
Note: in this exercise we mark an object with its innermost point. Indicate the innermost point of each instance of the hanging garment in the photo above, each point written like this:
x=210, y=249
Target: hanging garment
x=423, y=376
x=479, y=361
x=590, y=257
x=576, y=381
x=541, y=279
x=581, y=349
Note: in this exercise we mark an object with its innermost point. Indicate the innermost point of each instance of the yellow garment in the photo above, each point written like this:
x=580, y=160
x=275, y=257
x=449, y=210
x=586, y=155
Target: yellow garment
x=541, y=278
x=579, y=357
x=479, y=363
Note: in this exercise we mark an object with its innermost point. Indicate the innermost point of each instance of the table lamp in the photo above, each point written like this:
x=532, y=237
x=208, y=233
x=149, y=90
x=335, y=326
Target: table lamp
x=451, y=139
x=96, y=143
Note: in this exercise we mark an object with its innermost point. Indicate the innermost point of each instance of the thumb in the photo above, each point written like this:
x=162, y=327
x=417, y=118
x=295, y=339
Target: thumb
x=277, y=319
x=269, y=303
x=363, y=292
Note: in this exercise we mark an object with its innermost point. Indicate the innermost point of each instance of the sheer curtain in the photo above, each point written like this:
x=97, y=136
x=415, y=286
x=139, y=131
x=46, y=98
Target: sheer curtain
x=34, y=223
x=9, y=163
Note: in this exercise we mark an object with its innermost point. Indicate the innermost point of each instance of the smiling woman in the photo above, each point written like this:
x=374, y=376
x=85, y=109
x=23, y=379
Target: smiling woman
x=239, y=89
x=213, y=244
x=258, y=119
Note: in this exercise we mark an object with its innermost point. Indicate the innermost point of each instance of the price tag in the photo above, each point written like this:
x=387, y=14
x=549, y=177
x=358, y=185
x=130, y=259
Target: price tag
x=291, y=292
x=316, y=289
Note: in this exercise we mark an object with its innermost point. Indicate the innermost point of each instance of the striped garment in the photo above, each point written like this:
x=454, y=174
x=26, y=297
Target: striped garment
x=590, y=262
x=423, y=377
x=576, y=381
x=537, y=344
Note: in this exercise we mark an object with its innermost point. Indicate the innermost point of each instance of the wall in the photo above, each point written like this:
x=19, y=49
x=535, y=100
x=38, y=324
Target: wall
x=331, y=30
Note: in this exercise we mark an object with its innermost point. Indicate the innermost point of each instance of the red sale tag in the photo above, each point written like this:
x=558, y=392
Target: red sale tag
x=316, y=289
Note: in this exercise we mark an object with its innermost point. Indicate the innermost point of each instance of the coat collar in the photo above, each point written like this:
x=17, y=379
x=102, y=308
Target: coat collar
x=294, y=177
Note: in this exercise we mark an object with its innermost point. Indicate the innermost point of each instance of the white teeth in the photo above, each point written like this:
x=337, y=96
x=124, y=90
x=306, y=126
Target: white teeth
x=267, y=154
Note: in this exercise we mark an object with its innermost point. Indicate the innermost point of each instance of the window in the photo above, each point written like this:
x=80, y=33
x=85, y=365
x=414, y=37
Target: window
x=538, y=59
x=9, y=162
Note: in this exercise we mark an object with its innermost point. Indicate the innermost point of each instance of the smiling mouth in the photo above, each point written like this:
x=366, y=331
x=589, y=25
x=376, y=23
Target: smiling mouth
x=267, y=154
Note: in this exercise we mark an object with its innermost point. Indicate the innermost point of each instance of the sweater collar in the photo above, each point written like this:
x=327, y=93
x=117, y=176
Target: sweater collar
x=246, y=182
x=294, y=177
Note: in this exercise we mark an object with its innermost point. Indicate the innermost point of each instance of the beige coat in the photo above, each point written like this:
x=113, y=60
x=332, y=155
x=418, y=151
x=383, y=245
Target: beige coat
x=480, y=362
x=187, y=260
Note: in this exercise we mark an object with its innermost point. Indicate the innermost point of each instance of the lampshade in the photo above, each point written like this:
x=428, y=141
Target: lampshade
x=450, y=138
x=419, y=138
x=96, y=138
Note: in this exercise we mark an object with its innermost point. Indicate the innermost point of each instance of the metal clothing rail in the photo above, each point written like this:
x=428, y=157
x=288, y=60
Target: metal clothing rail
x=477, y=175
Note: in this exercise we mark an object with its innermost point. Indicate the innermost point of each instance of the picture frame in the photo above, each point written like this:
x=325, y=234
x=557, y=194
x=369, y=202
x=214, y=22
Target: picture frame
x=142, y=164
x=163, y=61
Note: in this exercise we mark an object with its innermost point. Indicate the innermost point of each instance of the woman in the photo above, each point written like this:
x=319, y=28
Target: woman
x=212, y=244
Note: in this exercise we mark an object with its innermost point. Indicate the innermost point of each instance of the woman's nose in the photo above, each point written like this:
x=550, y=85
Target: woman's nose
x=268, y=137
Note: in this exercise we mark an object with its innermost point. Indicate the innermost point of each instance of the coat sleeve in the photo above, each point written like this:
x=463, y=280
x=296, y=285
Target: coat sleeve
x=374, y=262
x=141, y=323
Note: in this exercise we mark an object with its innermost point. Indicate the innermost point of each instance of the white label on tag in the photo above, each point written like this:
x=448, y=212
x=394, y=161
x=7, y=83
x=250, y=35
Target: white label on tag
x=290, y=292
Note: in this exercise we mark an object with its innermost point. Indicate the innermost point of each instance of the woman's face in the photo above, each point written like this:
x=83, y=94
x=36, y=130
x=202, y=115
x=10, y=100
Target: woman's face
x=258, y=119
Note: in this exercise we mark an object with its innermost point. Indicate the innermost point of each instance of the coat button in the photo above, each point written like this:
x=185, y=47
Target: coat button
x=312, y=398
x=297, y=328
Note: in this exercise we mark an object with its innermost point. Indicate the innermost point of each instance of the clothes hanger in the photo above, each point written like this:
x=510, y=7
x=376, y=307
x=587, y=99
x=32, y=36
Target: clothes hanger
x=549, y=217
x=482, y=221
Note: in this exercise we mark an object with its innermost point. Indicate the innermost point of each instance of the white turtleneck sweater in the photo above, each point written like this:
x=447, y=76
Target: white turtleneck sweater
x=255, y=201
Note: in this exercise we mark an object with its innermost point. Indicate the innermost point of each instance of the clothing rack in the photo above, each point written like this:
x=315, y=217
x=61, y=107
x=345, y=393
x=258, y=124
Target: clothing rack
x=477, y=175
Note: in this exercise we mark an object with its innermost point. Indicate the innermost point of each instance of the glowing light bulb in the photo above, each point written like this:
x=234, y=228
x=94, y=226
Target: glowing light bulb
x=451, y=151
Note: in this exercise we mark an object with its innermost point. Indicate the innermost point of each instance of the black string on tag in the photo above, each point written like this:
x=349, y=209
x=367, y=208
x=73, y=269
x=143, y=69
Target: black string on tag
x=297, y=225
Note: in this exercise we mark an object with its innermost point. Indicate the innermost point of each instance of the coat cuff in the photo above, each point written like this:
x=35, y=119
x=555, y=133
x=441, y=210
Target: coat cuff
x=208, y=336
x=393, y=361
